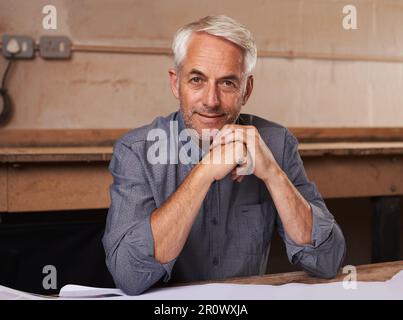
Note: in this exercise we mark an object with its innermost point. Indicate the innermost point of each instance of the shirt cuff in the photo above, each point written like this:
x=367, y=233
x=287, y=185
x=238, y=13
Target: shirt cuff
x=322, y=226
x=168, y=269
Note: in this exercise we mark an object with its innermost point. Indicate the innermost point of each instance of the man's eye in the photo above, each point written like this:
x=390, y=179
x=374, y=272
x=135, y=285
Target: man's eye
x=228, y=83
x=196, y=80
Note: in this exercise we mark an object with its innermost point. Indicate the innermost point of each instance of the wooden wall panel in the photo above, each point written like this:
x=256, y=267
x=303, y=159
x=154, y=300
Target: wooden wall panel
x=48, y=187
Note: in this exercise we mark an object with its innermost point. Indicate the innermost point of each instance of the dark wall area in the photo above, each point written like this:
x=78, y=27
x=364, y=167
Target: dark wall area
x=69, y=241
x=354, y=218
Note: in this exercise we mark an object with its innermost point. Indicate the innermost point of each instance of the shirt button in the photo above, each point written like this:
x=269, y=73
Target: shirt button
x=215, y=261
x=214, y=221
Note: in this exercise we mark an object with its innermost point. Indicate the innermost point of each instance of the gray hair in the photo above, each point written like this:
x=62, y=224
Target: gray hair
x=220, y=26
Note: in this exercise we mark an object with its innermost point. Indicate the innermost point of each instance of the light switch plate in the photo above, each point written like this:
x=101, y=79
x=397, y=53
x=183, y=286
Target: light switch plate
x=55, y=47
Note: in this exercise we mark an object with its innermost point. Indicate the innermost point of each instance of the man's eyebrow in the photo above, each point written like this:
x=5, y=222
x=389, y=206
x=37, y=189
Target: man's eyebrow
x=195, y=71
x=232, y=77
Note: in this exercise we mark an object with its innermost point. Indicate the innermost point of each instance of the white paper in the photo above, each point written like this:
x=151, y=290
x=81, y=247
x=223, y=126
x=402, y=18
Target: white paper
x=12, y=294
x=74, y=291
x=390, y=289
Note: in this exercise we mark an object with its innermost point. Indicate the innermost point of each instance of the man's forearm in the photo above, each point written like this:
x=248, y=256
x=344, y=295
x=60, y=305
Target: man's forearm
x=294, y=211
x=172, y=222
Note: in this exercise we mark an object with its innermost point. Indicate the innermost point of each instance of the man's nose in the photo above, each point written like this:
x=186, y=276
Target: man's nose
x=210, y=97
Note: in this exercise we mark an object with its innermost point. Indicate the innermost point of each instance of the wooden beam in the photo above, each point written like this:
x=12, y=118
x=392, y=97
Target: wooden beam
x=348, y=134
x=107, y=137
x=59, y=137
x=55, y=154
x=104, y=153
x=343, y=149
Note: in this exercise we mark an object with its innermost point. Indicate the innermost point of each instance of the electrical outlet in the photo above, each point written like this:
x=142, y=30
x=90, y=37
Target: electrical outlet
x=54, y=47
x=21, y=47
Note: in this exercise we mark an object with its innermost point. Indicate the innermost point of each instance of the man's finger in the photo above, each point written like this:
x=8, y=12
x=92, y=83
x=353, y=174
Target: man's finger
x=242, y=134
x=217, y=139
x=247, y=167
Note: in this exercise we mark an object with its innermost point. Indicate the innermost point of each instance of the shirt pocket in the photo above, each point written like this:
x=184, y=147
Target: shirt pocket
x=255, y=227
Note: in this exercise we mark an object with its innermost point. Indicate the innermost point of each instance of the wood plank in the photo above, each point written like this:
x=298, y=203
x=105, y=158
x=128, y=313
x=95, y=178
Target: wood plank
x=352, y=176
x=59, y=137
x=55, y=154
x=351, y=148
x=54, y=186
x=107, y=137
x=347, y=134
x=369, y=272
x=91, y=153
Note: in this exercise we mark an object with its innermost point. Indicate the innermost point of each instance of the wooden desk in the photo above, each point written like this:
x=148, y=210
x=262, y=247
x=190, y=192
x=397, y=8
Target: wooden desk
x=369, y=272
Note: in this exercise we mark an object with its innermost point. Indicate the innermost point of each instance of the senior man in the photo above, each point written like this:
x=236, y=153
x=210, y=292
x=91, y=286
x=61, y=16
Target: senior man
x=206, y=218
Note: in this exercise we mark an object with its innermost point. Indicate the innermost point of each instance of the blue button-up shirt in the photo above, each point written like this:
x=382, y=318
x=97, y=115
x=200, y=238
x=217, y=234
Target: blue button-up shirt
x=232, y=232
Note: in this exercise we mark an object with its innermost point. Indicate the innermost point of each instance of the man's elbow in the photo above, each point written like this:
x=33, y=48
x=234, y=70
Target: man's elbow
x=132, y=288
x=341, y=255
x=340, y=252
x=132, y=276
x=132, y=283
x=327, y=260
x=331, y=267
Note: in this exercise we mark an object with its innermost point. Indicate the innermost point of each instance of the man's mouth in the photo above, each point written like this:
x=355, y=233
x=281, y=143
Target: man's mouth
x=211, y=115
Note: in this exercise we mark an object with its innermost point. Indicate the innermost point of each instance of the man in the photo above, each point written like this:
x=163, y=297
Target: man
x=206, y=219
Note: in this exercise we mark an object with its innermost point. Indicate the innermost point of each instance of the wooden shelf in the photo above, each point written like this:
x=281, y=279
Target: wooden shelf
x=49, y=170
x=91, y=153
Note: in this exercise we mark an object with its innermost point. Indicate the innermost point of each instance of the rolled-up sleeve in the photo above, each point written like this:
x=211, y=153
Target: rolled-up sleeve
x=128, y=240
x=324, y=257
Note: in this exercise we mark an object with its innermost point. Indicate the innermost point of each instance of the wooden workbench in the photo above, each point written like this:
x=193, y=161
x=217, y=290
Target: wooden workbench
x=68, y=178
x=50, y=170
x=369, y=272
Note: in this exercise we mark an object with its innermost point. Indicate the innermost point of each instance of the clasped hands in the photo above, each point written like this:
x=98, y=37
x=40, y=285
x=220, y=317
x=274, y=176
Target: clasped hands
x=239, y=150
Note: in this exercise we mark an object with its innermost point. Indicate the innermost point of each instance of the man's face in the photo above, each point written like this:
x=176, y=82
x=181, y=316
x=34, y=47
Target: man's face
x=211, y=85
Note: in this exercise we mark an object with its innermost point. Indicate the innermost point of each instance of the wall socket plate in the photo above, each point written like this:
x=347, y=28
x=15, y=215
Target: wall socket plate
x=54, y=47
x=18, y=47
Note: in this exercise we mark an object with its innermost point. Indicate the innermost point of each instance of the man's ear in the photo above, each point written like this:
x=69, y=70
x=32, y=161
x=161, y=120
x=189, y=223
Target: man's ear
x=174, y=82
x=248, y=90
